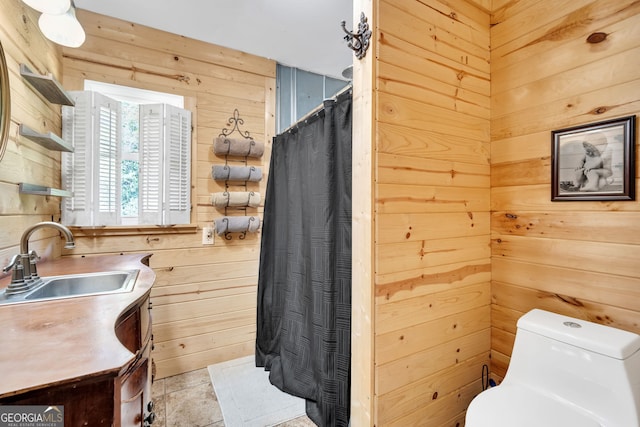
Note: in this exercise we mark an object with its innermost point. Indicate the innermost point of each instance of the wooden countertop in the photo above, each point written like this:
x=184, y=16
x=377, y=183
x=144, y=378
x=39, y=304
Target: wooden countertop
x=53, y=342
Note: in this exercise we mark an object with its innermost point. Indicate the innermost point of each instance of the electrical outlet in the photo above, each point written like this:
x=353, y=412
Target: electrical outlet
x=208, y=237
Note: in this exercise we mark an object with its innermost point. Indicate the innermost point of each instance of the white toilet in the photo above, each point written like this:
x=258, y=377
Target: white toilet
x=564, y=372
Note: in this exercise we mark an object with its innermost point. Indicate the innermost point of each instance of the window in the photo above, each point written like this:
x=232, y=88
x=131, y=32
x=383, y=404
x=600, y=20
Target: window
x=298, y=92
x=132, y=159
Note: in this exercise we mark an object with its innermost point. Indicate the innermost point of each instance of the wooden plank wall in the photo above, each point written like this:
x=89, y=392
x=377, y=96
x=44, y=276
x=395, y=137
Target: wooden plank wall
x=431, y=210
x=363, y=227
x=204, y=299
x=24, y=160
x=574, y=258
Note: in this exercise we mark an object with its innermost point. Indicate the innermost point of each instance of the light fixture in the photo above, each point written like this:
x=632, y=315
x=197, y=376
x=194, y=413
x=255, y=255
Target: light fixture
x=64, y=29
x=347, y=73
x=52, y=7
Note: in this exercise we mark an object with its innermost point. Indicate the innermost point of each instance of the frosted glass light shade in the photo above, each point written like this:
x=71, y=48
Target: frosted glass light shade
x=52, y=7
x=62, y=29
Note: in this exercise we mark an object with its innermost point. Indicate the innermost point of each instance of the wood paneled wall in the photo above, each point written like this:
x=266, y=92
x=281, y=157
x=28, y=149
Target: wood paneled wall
x=204, y=298
x=24, y=160
x=574, y=258
x=455, y=245
x=430, y=244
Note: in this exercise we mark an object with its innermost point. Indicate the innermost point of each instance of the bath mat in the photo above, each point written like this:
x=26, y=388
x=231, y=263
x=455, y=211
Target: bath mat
x=247, y=398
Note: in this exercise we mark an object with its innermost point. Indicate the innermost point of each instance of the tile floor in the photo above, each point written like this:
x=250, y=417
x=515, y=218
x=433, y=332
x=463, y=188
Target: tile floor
x=188, y=400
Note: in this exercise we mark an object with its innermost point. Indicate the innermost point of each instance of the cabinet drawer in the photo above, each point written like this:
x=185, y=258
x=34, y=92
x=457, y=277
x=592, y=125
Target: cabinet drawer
x=135, y=381
x=135, y=390
x=134, y=328
x=131, y=411
x=145, y=320
x=128, y=331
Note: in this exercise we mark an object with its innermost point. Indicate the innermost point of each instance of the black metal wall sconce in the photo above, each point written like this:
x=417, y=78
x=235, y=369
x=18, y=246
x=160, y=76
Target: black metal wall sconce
x=358, y=42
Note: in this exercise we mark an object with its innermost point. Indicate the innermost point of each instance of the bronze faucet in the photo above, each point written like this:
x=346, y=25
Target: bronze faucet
x=25, y=275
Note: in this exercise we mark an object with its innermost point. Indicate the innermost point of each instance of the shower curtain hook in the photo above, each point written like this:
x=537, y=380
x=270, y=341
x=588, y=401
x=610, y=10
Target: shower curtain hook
x=358, y=42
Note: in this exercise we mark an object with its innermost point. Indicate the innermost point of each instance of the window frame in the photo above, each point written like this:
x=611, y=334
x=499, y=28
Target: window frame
x=190, y=104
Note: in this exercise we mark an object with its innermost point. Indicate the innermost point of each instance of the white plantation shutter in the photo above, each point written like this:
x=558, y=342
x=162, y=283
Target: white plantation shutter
x=165, y=165
x=92, y=171
x=178, y=165
x=151, y=158
x=76, y=166
x=107, y=186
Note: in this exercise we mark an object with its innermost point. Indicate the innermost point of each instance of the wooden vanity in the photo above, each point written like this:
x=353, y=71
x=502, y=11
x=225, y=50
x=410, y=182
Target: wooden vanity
x=90, y=354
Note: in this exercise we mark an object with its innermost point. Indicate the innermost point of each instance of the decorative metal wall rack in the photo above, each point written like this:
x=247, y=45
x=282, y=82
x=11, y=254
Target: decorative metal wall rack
x=237, y=149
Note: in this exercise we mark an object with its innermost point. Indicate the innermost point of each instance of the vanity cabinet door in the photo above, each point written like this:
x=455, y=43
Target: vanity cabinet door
x=134, y=331
x=86, y=403
x=128, y=331
x=135, y=393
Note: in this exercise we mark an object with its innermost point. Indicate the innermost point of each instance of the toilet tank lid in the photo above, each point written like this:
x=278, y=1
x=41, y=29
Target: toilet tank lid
x=605, y=340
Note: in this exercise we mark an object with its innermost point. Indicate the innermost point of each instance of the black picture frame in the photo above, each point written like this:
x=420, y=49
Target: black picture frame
x=594, y=162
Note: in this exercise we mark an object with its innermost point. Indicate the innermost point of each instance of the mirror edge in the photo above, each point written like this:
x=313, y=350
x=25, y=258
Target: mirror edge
x=5, y=103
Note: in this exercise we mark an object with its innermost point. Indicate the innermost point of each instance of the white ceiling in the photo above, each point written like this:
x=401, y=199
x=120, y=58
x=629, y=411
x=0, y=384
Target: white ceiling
x=298, y=33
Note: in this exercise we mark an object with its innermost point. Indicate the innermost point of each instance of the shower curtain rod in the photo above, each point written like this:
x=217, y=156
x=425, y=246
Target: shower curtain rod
x=319, y=108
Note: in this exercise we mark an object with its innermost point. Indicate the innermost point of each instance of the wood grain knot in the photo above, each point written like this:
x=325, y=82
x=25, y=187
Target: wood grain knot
x=597, y=37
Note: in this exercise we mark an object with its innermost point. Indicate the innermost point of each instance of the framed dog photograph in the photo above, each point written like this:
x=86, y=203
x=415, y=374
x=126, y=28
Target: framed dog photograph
x=594, y=161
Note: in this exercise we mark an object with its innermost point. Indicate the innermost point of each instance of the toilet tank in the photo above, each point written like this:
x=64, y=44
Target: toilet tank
x=591, y=367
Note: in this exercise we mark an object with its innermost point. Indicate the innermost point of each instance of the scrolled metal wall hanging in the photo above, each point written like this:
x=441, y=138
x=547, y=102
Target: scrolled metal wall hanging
x=358, y=42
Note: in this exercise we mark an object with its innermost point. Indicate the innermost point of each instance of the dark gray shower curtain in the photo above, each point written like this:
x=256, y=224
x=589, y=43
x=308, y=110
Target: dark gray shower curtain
x=304, y=286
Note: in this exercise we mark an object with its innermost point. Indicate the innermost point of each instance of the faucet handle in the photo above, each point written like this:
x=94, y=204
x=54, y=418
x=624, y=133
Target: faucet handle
x=12, y=264
x=17, y=276
x=33, y=259
x=33, y=256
